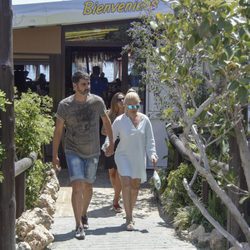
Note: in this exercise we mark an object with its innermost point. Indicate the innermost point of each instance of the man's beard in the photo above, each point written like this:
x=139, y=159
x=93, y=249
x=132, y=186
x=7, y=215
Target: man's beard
x=84, y=92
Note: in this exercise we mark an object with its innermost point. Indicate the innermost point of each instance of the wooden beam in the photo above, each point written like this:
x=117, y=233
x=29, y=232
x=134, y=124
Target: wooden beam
x=7, y=188
x=98, y=43
x=99, y=25
x=124, y=72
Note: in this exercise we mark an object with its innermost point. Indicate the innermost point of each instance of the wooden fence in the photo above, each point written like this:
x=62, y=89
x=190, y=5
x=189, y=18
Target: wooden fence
x=20, y=177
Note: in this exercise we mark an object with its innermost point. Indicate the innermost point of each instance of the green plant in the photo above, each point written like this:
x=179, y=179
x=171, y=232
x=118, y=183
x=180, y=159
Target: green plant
x=34, y=128
x=216, y=209
x=3, y=103
x=175, y=195
x=202, y=47
x=183, y=219
x=36, y=177
x=34, y=123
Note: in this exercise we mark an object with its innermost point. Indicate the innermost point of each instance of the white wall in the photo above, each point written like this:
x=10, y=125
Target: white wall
x=153, y=112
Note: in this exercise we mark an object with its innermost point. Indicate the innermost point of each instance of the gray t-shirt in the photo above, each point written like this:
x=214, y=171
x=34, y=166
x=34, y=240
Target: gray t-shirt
x=82, y=121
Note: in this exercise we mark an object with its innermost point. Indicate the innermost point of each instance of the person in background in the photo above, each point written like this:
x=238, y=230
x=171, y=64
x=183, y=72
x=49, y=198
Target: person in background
x=104, y=87
x=136, y=136
x=116, y=109
x=42, y=85
x=80, y=114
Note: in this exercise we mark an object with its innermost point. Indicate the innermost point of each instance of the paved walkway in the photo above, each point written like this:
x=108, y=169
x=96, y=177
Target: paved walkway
x=107, y=229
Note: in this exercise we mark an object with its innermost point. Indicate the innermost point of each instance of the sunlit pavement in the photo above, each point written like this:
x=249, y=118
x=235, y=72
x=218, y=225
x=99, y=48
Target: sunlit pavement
x=106, y=228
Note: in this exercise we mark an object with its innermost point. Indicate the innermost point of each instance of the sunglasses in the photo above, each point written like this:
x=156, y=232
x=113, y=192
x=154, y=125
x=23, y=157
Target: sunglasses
x=133, y=106
x=120, y=99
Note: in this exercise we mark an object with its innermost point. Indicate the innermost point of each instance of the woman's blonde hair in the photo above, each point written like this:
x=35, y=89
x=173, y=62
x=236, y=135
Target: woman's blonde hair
x=131, y=96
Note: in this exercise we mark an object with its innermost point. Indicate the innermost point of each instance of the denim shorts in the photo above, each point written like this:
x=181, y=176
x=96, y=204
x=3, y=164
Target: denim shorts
x=80, y=168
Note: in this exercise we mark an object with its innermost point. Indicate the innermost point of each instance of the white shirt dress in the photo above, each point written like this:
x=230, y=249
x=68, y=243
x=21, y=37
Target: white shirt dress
x=135, y=144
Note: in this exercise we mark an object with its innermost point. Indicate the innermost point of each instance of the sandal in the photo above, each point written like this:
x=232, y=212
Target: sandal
x=117, y=208
x=130, y=226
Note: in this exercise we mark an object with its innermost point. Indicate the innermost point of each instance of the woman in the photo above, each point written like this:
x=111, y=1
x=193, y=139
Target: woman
x=116, y=109
x=136, y=141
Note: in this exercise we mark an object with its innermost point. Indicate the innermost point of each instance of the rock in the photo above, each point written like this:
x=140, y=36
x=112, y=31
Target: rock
x=217, y=240
x=45, y=201
x=33, y=225
x=192, y=227
x=52, y=189
x=35, y=216
x=23, y=246
x=39, y=238
x=245, y=246
x=198, y=232
x=203, y=240
x=23, y=227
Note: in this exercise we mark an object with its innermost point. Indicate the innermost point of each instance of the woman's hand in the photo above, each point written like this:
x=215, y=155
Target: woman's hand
x=154, y=160
x=109, y=150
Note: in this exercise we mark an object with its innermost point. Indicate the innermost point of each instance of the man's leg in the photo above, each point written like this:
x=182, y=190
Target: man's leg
x=77, y=201
x=90, y=168
x=87, y=195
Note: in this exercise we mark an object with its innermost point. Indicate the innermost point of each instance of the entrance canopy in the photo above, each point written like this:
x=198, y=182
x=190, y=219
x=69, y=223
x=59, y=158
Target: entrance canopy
x=68, y=12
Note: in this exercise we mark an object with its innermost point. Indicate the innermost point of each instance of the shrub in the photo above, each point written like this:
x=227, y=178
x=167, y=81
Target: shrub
x=36, y=177
x=3, y=103
x=34, y=128
x=34, y=123
x=175, y=195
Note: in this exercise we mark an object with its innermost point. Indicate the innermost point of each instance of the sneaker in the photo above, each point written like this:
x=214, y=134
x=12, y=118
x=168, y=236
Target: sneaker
x=85, y=222
x=80, y=234
x=117, y=208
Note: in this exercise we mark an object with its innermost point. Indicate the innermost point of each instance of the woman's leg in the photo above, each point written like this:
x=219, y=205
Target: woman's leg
x=135, y=186
x=112, y=176
x=126, y=196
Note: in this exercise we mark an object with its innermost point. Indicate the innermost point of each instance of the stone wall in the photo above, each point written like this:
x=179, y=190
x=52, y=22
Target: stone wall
x=32, y=227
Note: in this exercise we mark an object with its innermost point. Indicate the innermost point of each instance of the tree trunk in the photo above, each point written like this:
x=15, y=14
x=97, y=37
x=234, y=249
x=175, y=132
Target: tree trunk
x=244, y=151
x=7, y=188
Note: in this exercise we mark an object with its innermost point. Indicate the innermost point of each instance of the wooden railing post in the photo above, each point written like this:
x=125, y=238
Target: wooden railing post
x=7, y=187
x=20, y=194
x=20, y=174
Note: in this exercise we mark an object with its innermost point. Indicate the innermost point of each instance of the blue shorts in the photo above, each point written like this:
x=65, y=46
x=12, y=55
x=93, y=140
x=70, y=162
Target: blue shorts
x=81, y=169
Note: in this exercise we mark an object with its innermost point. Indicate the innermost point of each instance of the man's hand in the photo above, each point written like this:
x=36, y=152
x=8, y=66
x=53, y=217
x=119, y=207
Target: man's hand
x=56, y=164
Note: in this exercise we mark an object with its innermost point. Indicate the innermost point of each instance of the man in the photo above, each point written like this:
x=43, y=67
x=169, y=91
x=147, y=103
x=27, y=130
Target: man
x=80, y=114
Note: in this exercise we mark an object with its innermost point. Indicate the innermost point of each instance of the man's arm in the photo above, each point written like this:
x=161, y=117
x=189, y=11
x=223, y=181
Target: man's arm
x=108, y=130
x=56, y=141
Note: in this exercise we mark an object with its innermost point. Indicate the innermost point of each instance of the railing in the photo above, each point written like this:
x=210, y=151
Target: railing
x=181, y=154
x=20, y=176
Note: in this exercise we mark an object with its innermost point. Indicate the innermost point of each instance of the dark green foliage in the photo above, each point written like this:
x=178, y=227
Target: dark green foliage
x=3, y=103
x=34, y=129
x=34, y=123
x=216, y=209
x=175, y=195
x=36, y=177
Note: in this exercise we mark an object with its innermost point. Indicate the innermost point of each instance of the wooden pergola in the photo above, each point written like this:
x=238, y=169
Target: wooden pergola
x=55, y=45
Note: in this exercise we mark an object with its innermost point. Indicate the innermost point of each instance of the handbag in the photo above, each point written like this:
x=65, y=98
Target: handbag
x=157, y=180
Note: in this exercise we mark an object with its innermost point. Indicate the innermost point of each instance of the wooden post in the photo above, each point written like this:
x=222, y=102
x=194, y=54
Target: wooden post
x=20, y=194
x=124, y=72
x=235, y=165
x=7, y=188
